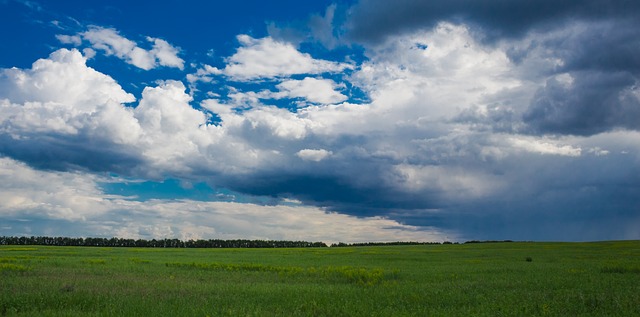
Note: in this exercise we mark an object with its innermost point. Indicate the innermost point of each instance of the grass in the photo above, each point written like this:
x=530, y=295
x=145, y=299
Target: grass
x=497, y=279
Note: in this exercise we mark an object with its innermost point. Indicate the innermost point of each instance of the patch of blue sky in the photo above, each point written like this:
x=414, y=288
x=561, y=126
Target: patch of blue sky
x=174, y=189
x=167, y=189
x=21, y=49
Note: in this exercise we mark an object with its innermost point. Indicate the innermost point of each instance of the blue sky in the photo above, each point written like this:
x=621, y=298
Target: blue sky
x=329, y=121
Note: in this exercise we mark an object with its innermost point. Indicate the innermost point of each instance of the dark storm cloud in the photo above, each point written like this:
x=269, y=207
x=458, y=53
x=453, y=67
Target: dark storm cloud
x=70, y=153
x=606, y=45
x=594, y=199
x=603, y=61
x=359, y=190
x=594, y=102
x=374, y=20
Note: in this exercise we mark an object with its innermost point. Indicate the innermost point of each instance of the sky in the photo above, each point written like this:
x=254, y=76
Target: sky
x=333, y=121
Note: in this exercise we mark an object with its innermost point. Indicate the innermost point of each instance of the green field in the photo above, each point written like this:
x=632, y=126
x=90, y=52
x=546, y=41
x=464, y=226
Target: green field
x=489, y=279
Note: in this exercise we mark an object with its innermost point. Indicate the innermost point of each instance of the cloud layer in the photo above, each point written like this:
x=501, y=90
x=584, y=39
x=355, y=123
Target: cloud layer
x=54, y=203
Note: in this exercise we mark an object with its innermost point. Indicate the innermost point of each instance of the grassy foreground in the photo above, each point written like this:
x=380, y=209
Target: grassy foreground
x=497, y=279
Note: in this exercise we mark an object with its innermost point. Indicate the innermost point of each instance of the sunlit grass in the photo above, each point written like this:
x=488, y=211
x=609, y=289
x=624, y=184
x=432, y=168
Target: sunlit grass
x=12, y=267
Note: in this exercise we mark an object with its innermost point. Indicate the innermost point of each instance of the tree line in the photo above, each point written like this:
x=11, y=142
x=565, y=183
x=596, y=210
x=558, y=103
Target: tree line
x=366, y=244
x=160, y=243
x=371, y=244
x=211, y=243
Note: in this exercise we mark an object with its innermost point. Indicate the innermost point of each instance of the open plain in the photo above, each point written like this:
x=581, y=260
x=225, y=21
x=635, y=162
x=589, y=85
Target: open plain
x=480, y=279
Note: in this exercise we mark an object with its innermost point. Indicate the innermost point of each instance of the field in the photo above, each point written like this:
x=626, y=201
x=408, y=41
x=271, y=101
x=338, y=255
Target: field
x=488, y=279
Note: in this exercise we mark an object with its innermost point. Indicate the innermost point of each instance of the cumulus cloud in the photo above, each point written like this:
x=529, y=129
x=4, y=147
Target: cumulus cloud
x=61, y=112
x=110, y=42
x=268, y=58
x=592, y=42
x=62, y=78
x=310, y=89
x=410, y=85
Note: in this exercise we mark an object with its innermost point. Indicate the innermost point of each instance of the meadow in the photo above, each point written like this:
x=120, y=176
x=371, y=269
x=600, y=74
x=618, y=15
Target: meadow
x=485, y=279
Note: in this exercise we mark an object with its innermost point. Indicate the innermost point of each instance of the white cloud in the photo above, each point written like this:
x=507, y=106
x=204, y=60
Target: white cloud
x=313, y=154
x=27, y=192
x=69, y=39
x=410, y=85
x=89, y=53
x=173, y=132
x=268, y=58
x=62, y=78
x=112, y=43
x=453, y=182
x=69, y=111
x=62, y=95
x=203, y=74
x=215, y=106
x=278, y=122
x=165, y=54
x=544, y=147
x=311, y=89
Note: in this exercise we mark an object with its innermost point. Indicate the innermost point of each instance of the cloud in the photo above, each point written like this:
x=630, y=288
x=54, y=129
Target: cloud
x=318, y=28
x=586, y=76
x=62, y=78
x=313, y=155
x=592, y=42
x=375, y=20
x=27, y=192
x=61, y=113
x=80, y=208
x=111, y=42
x=311, y=89
x=62, y=96
x=76, y=40
x=538, y=146
x=322, y=28
x=268, y=58
x=165, y=53
x=451, y=181
x=586, y=103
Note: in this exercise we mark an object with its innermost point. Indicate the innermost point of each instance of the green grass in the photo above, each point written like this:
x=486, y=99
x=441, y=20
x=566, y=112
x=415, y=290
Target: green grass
x=497, y=279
